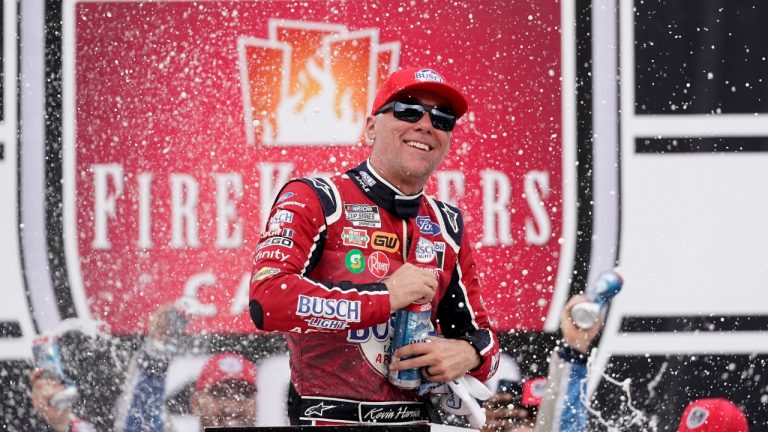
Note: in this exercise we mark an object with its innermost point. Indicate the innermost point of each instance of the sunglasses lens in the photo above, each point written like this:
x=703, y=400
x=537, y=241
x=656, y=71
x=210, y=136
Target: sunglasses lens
x=442, y=121
x=412, y=113
x=407, y=112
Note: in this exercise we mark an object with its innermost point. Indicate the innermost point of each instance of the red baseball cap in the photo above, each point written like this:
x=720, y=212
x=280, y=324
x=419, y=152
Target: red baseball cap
x=419, y=79
x=226, y=367
x=713, y=415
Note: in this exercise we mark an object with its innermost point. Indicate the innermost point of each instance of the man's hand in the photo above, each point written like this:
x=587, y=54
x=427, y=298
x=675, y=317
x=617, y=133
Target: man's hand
x=43, y=388
x=410, y=284
x=578, y=338
x=501, y=414
x=159, y=327
x=442, y=359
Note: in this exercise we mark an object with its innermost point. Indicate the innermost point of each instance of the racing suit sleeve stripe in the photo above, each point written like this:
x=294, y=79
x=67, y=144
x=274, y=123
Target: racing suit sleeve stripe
x=282, y=297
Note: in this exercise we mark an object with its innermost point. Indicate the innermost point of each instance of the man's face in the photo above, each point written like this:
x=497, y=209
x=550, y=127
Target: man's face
x=406, y=154
x=231, y=403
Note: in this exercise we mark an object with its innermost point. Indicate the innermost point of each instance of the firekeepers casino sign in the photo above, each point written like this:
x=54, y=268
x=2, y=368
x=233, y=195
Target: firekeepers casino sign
x=183, y=119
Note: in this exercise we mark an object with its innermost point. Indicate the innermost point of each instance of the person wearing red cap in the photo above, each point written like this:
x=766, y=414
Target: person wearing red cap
x=225, y=392
x=340, y=255
x=713, y=415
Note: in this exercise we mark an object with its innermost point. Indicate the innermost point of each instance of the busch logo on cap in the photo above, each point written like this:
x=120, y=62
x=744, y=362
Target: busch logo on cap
x=428, y=75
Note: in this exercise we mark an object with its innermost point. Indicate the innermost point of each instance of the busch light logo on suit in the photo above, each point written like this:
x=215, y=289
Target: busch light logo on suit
x=425, y=251
x=426, y=226
x=373, y=343
x=345, y=310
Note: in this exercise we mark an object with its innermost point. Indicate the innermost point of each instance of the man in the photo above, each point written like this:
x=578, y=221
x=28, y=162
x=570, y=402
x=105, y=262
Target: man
x=80, y=396
x=713, y=415
x=225, y=392
x=340, y=255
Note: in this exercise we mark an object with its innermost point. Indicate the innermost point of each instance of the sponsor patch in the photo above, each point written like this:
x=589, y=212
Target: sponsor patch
x=344, y=310
x=264, y=273
x=326, y=324
x=428, y=75
x=285, y=196
x=426, y=226
x=355, y=261
x=425, y=251
x=283, y=232
x=363, y=215
x=367, y=178
x=378, y=264
x=696, y=417
x=440, y=254
x=275, y=241
x=291, y=203
x=274, y=254
x=355, y=237
x=385, y=241
x=282, y=216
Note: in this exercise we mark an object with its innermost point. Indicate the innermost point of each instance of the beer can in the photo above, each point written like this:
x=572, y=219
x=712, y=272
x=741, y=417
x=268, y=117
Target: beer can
x=47, y=356
x=600, y=294
x=412, y=325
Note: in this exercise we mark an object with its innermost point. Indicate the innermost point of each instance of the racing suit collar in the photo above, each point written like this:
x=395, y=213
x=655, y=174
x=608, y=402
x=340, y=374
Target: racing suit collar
x=384, y=194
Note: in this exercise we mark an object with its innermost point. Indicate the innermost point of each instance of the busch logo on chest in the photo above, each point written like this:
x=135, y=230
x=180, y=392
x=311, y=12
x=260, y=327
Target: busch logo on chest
x=345, y=310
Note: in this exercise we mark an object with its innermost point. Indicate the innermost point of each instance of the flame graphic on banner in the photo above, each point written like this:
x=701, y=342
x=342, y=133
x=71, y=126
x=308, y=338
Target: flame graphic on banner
x=311, y=83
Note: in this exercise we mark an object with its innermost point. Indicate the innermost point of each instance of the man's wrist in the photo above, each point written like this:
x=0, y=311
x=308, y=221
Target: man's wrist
x=571, y=354
x=478, y=356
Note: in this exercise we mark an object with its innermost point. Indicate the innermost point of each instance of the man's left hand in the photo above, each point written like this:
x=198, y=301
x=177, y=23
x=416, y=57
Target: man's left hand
x=441, y=359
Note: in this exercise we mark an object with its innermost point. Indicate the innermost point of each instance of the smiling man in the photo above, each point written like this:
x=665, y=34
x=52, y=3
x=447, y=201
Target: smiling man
x=339, y=255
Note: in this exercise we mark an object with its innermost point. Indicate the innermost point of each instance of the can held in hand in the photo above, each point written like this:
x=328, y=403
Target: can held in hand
x=47, y=356
x=412, y=325
x=600, y=294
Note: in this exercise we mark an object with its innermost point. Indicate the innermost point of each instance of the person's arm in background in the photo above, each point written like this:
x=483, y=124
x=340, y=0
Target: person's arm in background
x=142, y=404
x=561, y=408
x=43, y=389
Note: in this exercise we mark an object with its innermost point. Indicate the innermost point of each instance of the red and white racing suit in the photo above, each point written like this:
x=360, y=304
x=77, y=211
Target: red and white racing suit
x=317, y=276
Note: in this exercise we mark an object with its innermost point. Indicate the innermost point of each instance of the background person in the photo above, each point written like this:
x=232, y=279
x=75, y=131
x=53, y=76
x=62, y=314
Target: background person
x=224, y=393
x=339, y=255
x=87, y=354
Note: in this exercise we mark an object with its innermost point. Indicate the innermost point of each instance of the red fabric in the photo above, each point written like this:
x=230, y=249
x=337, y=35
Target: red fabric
x=350, y=361
x=226, y=367
x=713, y=415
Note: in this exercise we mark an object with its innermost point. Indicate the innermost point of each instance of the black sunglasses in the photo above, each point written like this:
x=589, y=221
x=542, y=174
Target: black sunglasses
x=412, y=112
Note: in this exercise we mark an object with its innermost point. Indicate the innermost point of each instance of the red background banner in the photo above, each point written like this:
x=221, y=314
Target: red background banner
x=190, y=115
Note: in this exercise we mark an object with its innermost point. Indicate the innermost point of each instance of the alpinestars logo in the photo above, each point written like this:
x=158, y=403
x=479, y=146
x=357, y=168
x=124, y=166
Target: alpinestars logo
x=311, y=83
